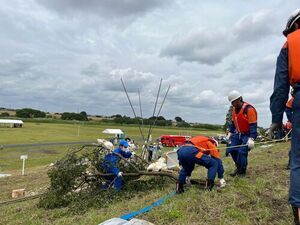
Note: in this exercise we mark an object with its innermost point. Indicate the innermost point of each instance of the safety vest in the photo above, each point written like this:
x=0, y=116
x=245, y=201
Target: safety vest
x=205, y=145
x=240, y=119
x=293, y=45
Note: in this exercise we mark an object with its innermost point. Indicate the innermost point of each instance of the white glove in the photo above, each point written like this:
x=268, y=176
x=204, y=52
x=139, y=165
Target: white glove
x=188, y=180
x=250, y=143
x=222, y=183
x=228, y=135
x=120, y=174
x=133, y=153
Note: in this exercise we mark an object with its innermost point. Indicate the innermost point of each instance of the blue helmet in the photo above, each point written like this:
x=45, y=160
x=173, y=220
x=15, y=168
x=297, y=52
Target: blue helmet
x=124, y=143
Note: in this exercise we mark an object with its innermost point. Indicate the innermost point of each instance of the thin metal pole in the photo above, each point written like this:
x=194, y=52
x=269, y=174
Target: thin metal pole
x=132, y=108
x=155, y=105
x=159, y=111
x=141, y=108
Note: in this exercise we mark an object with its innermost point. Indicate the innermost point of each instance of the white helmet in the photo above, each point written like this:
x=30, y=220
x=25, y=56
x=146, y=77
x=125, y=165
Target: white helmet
x=234, y=95
x=292, y=19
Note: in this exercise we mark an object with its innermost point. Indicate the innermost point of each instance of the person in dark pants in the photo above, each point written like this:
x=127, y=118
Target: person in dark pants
x=188, y=156
x=288, y=75
x=242, y=132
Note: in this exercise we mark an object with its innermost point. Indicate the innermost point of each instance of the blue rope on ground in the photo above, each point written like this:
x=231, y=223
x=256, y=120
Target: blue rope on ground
x=147, y=208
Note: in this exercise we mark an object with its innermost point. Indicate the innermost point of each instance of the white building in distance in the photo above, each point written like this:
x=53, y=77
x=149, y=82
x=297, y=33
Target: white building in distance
x=11, y=123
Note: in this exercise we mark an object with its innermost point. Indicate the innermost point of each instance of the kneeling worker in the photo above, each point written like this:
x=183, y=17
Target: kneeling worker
x=110, y=164
x=188, y=156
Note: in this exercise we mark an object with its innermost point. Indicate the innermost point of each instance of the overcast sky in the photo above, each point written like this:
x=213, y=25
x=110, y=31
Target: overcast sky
x=69, y=55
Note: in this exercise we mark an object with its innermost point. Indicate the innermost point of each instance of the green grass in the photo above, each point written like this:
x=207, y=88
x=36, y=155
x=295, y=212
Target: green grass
x=259, y=198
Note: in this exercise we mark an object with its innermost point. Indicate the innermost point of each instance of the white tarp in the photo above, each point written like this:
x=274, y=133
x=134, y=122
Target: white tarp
x=112, y=131
x=119, y=221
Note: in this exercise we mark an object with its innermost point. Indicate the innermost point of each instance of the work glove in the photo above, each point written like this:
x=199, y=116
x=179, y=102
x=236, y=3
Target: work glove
x=274, y=127
x=188, y=180
x=133, y=154
x=250, y=143
x=228, y=138
x=120, y=174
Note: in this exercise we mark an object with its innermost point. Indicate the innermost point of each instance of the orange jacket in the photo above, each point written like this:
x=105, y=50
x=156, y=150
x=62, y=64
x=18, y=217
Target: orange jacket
x=205, y=145
x=293, y=45
x=242, y=119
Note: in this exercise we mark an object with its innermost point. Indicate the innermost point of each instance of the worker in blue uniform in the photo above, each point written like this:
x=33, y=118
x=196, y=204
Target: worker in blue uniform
x=288, y=75
x=242, y=131
x=188, y=156
x=110, y=165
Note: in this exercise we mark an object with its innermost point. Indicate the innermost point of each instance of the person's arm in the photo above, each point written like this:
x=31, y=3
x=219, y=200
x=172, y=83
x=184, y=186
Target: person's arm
x=252, y=120
x=126, y=154
x=231, y=127
x=281, y=87
x=289, y=114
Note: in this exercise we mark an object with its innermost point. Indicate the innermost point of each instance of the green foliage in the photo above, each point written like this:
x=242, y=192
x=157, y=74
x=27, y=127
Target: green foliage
x=30, y=113
x=160, y=121
x=74, y=116
x=183, y=124
x=178, y=119
x=228, y=118
x=207, y=126
x=4, y=114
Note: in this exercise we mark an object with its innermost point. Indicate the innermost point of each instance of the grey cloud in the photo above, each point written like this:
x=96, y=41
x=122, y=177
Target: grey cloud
x=210, y=46
x=254, y=27
x=104, y=8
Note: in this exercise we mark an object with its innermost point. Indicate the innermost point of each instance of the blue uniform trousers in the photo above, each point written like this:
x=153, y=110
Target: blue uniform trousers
x=220, y=170
x=294, y=195
x=187, y=159
x=239, y=154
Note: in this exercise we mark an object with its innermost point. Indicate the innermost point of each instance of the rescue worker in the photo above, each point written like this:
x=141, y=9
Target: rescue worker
x=150, y=152
x=288, y=75
x=189, y=155
x=242, y=131
x=209, y=147
x=110, y=165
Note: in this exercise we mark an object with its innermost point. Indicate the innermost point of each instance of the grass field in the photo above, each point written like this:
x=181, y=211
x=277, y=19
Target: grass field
x=259, y=198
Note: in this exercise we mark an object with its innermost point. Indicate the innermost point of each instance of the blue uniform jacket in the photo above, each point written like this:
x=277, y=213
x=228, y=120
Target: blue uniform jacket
x=281, y=87
x=111, y=160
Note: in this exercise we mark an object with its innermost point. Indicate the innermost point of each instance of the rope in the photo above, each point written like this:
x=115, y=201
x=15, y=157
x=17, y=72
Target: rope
x=147, y=208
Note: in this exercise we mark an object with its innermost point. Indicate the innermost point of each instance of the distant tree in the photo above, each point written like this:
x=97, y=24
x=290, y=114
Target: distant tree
x=74, y=116
x=228, y=118
x=183, y=124
x=4, y=114
x=116, y=116
x=178, y=119
x=30, y=113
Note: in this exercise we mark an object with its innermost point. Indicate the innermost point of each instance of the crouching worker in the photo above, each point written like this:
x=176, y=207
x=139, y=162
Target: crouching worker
x=188, y=156
x=110, y=165
x=209, y=147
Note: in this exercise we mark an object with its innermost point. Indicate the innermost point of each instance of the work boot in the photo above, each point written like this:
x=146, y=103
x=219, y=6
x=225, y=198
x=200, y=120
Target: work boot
x=242, y=172
x=209, y=184
x=236, y=171
x=296, y=212
x=179, y=188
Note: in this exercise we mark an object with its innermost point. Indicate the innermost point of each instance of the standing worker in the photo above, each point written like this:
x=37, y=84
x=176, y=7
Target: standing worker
x=242, y=132
x=288, y=74
x=189, y=155
x=110, y=165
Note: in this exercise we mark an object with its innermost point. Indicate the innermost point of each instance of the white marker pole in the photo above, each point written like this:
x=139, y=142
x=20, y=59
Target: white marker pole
x=23, y=157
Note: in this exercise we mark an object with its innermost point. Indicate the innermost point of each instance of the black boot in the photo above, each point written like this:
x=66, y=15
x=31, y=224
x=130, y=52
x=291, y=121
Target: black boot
x=179, y=188
x=210, y=184
x=236, y=171
x=242, y=172
x=296, y=212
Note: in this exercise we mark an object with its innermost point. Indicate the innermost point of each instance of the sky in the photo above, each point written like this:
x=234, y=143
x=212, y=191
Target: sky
x=69, y=56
